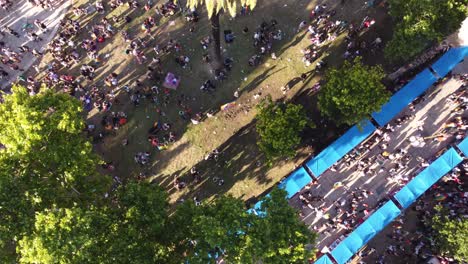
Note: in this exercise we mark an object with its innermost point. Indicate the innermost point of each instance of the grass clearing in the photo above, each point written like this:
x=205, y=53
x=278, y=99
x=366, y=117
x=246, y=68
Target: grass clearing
x=241, y=165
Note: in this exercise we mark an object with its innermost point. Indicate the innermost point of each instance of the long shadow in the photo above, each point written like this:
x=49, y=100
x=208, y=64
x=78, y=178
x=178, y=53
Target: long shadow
x=260, y=78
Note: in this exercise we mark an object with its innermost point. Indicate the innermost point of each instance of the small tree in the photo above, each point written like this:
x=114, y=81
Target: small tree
x=279, y=127
x=420, y=23
x=352, y=92
x=451, y=236
x=214, y=7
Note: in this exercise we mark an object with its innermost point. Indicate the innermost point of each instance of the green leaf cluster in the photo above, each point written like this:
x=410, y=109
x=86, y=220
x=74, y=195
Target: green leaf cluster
x=352, y=92
x=420, y=23
x=224, y=227
x=52, y=210
x=451, y=236
x=45, y=161
x=279, y=127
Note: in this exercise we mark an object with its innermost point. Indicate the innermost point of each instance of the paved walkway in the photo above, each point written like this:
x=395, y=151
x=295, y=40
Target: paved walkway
x=18, y=15
x=384, y=178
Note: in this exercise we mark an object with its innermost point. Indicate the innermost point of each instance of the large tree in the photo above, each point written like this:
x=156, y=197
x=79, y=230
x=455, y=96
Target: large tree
x=211, y=229
x=43, y=136
x=451, y=235
x=72, y=235
x=420, y=23
x=214, y=8
x=352, y=92
x=131, y=229
x=45, y=160
x=278, y=235
x=279, y=126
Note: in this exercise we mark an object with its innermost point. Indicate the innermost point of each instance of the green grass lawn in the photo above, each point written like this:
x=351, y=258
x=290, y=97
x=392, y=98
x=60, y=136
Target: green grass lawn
x=232, y=132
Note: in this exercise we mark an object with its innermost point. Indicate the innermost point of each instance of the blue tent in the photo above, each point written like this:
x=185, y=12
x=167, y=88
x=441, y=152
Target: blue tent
x=404, y=96
x=424, y=180
x=257, y=208
x=449, y=60
x=365, y=232
x=295, y=181
x=463, y=146
x=339, y=148
x=323, y=260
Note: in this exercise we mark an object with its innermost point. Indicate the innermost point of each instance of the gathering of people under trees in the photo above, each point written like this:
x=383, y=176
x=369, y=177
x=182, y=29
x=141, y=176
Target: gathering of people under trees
x=233, y=131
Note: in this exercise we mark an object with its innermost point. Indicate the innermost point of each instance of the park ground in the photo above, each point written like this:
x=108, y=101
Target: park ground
x=232, y=132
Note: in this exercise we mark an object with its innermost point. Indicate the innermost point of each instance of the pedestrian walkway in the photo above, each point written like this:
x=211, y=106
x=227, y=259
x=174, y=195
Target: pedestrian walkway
x=20, y=18
x=378, y=167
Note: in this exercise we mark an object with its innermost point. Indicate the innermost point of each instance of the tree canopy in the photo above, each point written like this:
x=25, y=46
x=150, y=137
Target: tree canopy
x=49, y=212
x=420, y=23
x=278, y=236
x=214, y=8
x=352, y=92
x=279, y=127
x=45, y=161
x=451, y=236
x=225, y=228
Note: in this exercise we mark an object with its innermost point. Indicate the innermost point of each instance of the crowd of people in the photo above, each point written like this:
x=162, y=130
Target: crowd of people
x=337, y=218
x=322, y=28
x=106, y=94
x=408, y=245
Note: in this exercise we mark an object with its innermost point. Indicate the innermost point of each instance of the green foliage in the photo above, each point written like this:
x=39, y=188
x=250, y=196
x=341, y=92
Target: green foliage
x=45, y=161
x=224, y=227
x=279, y=127
x=42, y=135
x=451, y=236
x=352, y=92
x=279, y=236
x=139, y=235
x=211, y=227
x=131, y=231
x=420, y=23
x=65, y=236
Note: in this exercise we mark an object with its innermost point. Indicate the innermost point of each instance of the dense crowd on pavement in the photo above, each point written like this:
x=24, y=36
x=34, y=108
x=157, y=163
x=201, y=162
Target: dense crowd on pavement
x=407, y=245
x=352, y=208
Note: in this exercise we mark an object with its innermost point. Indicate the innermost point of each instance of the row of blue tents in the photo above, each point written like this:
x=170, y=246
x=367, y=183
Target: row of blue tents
x=357, y=134
x=298, y=179
x=418, y=185
x=389, y=211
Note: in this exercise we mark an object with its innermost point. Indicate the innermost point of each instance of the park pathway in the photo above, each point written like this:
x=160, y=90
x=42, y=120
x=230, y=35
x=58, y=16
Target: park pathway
x=20, y=14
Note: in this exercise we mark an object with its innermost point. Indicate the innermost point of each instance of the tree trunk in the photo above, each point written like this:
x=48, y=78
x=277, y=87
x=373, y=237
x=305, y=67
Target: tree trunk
x=217, y=62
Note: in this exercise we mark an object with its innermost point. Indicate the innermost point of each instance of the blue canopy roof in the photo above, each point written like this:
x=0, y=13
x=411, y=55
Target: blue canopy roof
x=421, y=183
x=295, y=181
x=463, y=146
x=449, y=60
x=365, y=232
x=323, y=260
x=257, y=208
x=404, y=96
x=339, y=148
